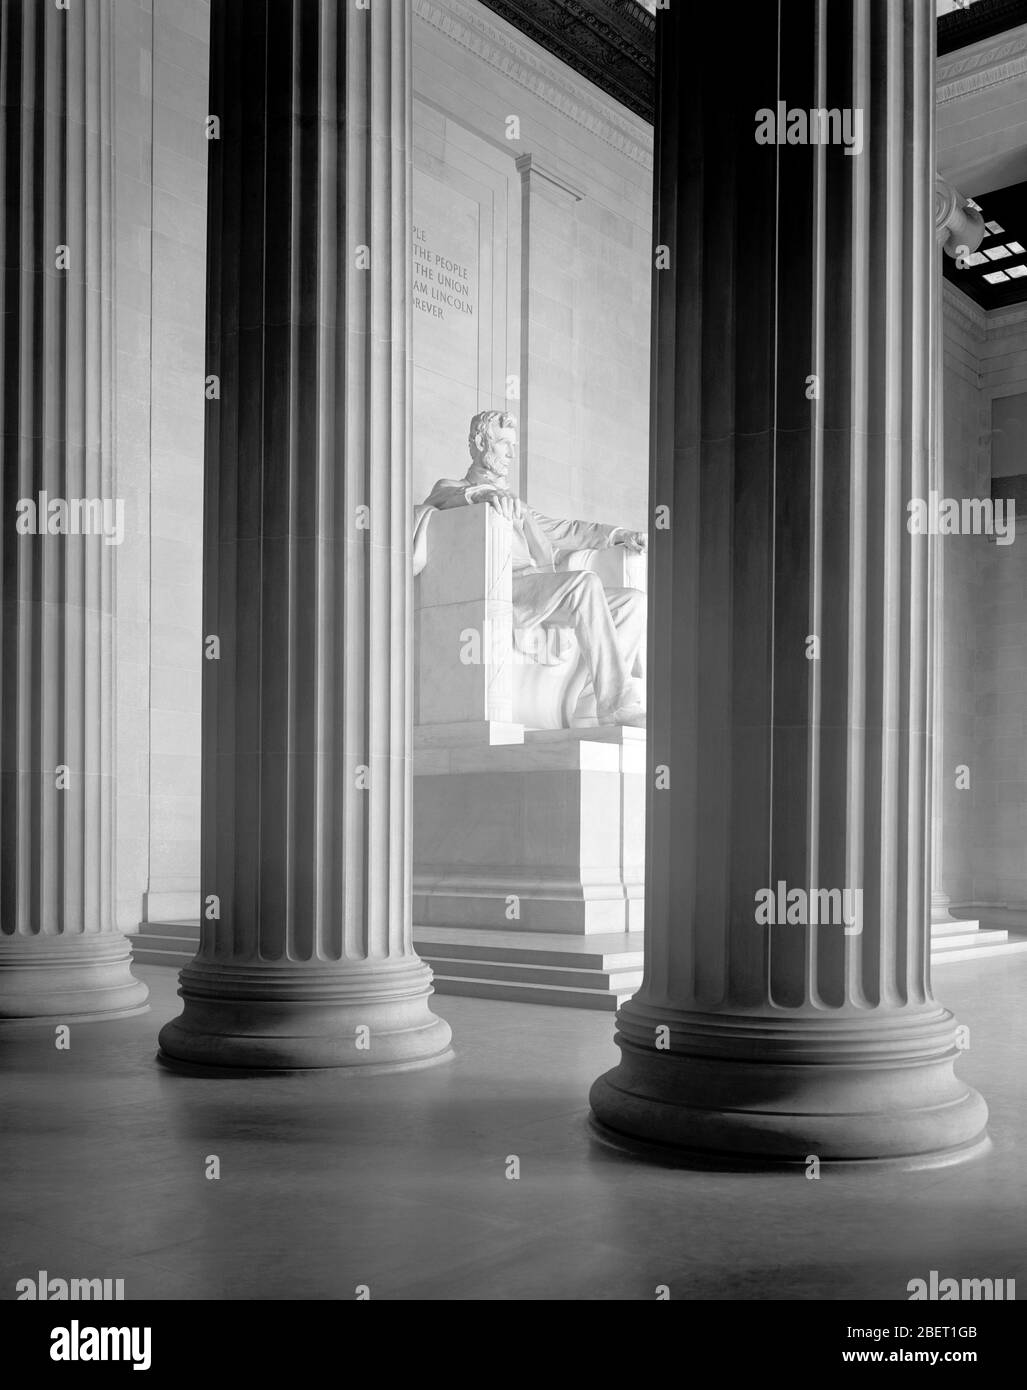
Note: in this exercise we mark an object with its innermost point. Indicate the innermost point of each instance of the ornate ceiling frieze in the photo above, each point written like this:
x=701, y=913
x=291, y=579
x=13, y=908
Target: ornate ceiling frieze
x=611, y=42
x=994, y=62
x=466, y=24
x=984, y=19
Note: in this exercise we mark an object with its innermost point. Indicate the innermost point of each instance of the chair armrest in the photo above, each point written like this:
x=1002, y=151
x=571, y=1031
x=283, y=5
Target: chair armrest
x=616, y=566
x=469, y=557
x=463, y=600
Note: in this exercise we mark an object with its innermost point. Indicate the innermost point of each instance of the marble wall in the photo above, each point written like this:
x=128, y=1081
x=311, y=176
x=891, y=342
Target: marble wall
x=985, y=610
x=133, y=236
x=465, y=286
x=966, y=456
x=161, y=49
x=556, y=179
x=1009, y=435
x=180, y=107
x=1000, y=791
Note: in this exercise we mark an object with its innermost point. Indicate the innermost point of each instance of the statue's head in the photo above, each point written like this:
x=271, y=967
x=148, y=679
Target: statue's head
x=493, y=442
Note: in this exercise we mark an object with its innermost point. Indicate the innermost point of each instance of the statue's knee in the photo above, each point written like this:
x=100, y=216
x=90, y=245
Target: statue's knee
x=588, y=587
x=630, y=601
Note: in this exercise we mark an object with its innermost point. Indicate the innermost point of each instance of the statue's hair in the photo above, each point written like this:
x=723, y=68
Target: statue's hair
x=483, y=428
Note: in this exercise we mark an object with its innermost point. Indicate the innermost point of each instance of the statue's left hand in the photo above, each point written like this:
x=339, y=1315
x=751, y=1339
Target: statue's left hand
x=635, y=541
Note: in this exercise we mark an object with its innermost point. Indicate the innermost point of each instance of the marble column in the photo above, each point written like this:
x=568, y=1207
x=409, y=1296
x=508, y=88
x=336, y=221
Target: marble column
x=306, y=955
x=959, y=230
x=61, y=956
x=789, y=733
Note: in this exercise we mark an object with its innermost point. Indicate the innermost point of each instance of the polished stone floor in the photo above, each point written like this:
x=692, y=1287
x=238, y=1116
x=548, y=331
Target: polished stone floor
x=332, y=1181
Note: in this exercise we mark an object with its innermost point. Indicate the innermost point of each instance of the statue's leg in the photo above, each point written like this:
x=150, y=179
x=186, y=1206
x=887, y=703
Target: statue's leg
x=628, y=610
x=576, y=598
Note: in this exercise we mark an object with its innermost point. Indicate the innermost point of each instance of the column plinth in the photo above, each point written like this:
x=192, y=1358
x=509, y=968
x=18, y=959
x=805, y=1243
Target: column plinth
x=61, y=955
x=790, y=606
x=306, y=956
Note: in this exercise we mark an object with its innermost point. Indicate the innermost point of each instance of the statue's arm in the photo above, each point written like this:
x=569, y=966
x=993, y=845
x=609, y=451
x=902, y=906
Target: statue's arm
x=449, y=492
x=576, y=535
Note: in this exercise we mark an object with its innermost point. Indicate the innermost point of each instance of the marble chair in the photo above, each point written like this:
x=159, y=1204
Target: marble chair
x=477, y=678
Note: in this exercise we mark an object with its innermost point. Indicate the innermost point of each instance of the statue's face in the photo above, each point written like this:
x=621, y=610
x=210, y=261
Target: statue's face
x=501, y=455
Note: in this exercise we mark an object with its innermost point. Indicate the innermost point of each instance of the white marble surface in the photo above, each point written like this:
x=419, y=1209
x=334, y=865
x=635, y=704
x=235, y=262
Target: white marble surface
x=440, y=739
x=558, y=824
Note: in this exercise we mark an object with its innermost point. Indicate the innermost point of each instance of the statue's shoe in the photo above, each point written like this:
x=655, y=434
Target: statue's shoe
x=628, y=716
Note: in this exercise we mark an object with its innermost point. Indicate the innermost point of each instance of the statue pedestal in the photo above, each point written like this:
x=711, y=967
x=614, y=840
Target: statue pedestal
x=528, y=865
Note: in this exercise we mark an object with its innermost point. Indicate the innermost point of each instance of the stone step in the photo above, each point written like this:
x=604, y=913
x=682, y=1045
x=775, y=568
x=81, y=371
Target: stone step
x=155, y=955
x=939, y=930
x=579, y=972
x=523, y=973
x=515, y=992
x=597, y=951
x=979, y=949
x=166, y=943
x=954, y=941
x=185, y=927
x=965, y=940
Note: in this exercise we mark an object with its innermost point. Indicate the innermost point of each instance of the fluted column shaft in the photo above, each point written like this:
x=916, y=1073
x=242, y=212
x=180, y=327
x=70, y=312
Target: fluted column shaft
x=306, y=957
x=60, y=953
x=789, y=732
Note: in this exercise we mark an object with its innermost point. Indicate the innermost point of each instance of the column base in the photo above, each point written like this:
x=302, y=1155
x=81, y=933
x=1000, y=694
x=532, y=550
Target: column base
x=760, y=1091
x=940, y=904
x=368, y=1016
x=68, y=979
x=673, y=1156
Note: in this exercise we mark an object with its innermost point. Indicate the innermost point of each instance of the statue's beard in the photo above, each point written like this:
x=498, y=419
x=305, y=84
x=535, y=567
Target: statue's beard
x=488, y=468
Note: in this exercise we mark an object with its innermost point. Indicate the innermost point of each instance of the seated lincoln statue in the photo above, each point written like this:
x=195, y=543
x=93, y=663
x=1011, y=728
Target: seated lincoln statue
x=609, y=623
